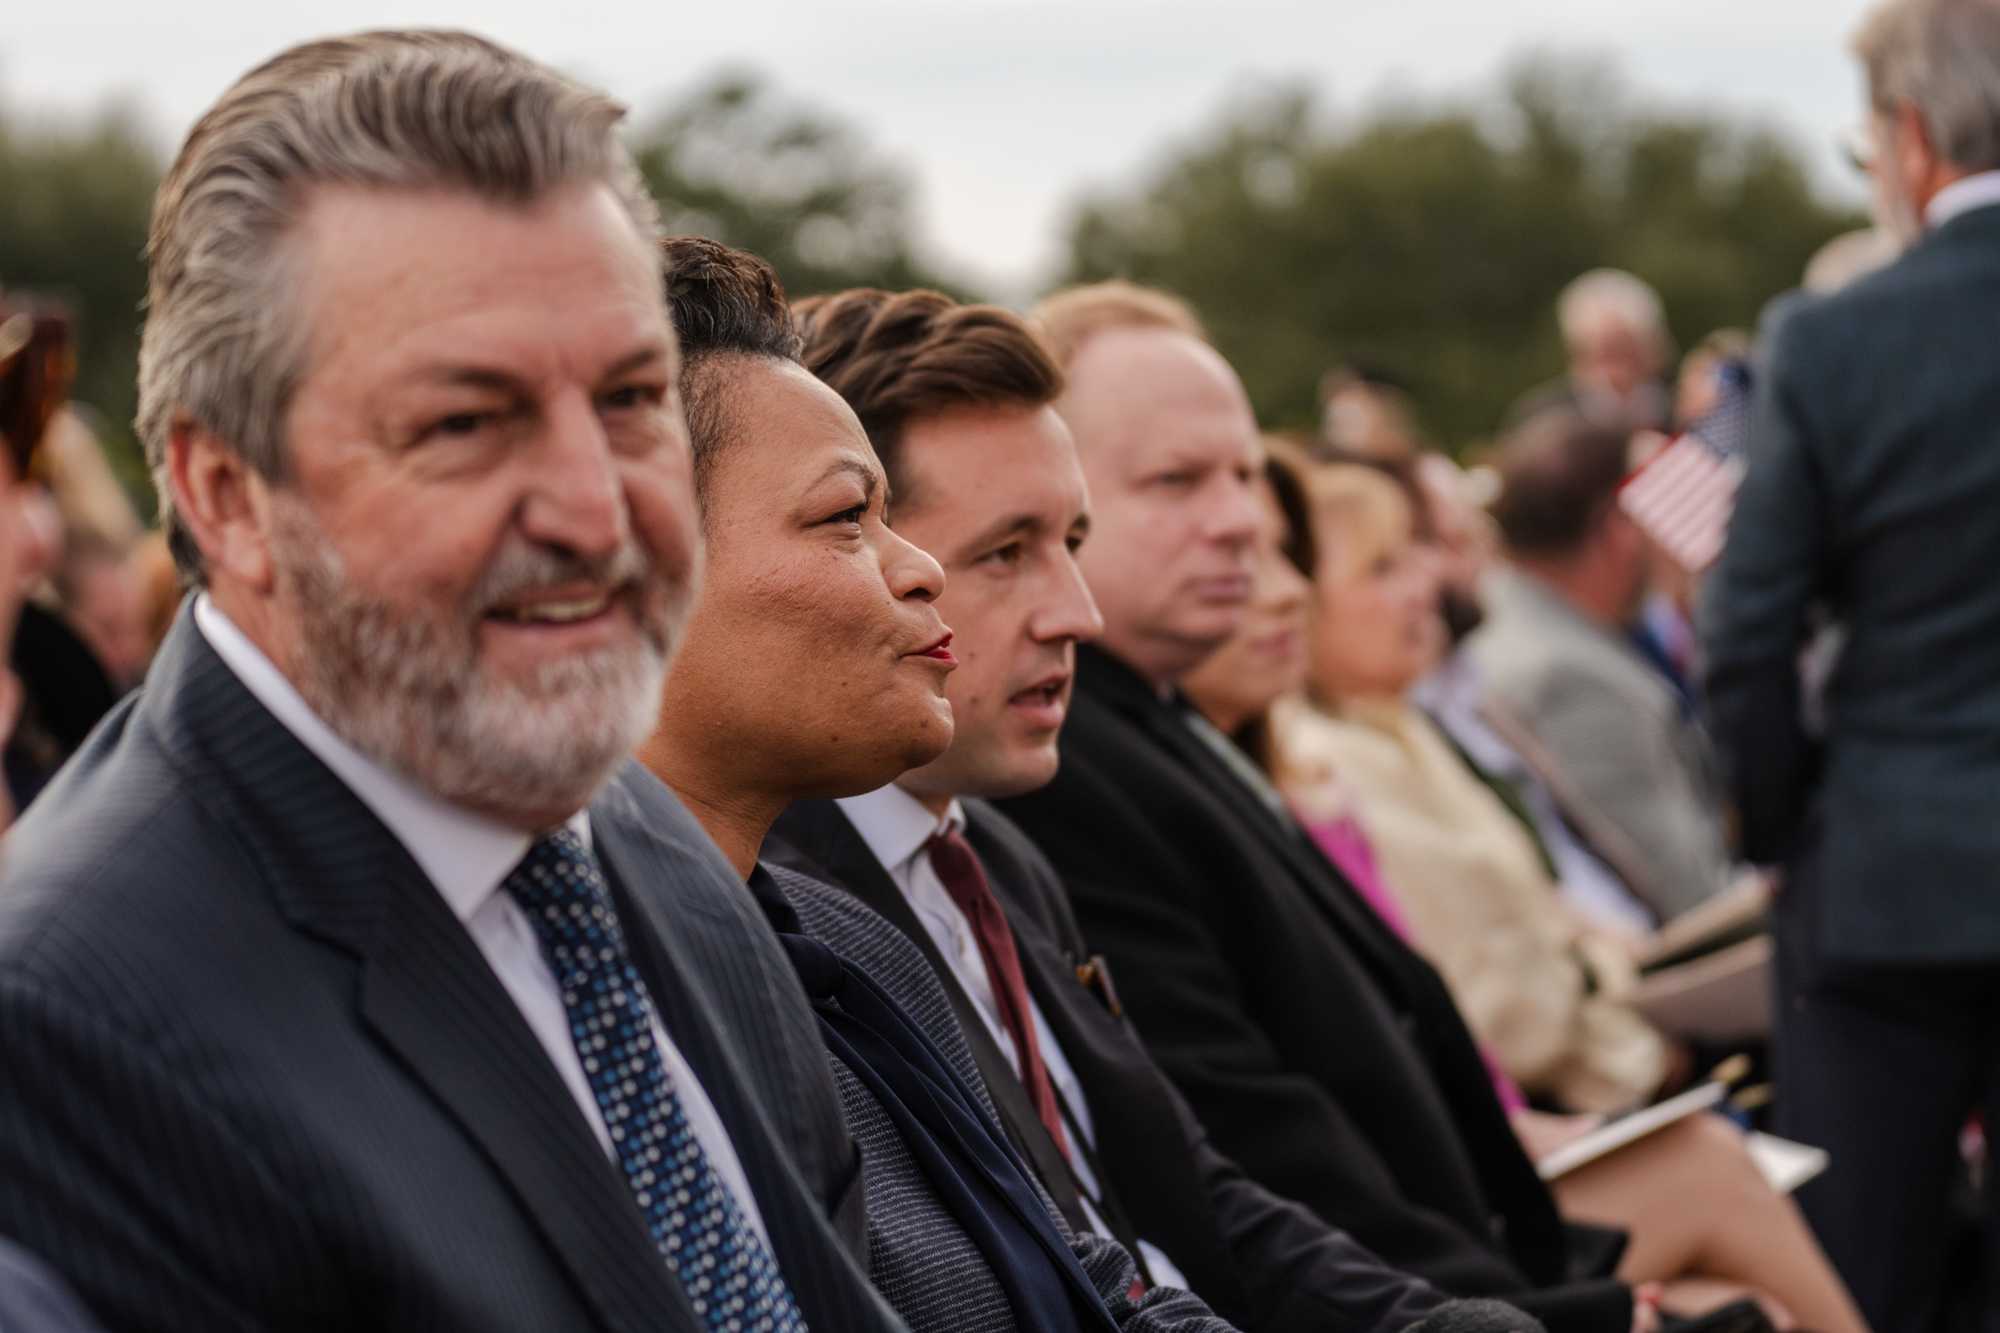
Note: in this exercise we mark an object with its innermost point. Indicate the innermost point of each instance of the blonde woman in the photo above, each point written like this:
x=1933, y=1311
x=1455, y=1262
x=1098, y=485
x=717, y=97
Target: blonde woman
x=1543, y=993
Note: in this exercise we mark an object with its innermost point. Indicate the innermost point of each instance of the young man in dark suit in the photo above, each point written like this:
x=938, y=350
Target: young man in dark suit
x=352, y=976
x=1874, y=478
x=957, y=401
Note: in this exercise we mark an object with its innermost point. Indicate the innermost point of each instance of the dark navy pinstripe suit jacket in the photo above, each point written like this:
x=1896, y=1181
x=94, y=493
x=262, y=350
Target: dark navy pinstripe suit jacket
x=254, y=1074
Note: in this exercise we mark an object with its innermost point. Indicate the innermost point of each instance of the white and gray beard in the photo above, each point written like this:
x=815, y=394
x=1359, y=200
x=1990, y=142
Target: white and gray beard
x=411, y=693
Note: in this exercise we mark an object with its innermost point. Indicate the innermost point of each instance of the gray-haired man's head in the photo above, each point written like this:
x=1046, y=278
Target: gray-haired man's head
x=1933, y=75
x=410, y=393
x=224, y=341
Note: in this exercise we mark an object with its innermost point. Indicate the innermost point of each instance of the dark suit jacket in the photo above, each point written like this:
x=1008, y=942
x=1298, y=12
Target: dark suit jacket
x=1260, y=1261
x=920, y=1251
x=1322, y=1054
x=33, y=1300
x=259, y=1077
x=1873, y=486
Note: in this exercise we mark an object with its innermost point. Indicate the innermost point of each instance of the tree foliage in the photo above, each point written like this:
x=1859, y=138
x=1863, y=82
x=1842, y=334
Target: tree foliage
x=737, y=161
x=1433, y=240
x=1428, y=239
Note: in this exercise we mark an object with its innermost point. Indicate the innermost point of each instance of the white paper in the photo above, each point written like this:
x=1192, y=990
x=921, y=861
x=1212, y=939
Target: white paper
x=1628, y=1129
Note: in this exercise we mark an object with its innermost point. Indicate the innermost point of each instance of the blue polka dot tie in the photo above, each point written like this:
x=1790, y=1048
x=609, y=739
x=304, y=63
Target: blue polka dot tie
x=722, y=1263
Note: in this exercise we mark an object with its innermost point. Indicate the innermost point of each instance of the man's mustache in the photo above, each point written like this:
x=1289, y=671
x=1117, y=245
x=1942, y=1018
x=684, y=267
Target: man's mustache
x=523, y=566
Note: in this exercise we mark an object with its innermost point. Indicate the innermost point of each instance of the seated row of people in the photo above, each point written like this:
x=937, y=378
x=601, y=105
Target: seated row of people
x=363, y=981
x=353, y=974
x=961, y=400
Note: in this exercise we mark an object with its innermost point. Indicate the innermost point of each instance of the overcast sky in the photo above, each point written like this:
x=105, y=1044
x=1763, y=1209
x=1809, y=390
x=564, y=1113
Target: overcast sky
x=1001, y=110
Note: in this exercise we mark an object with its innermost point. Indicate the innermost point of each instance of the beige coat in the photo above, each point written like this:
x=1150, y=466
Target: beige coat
x=1478, y=901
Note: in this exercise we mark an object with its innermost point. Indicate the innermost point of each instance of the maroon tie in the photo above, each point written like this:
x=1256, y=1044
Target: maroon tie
x=957, y=866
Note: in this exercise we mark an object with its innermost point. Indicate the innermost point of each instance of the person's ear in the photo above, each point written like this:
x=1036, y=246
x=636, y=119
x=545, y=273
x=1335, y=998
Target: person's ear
x=223, y=503
x=1914, y=158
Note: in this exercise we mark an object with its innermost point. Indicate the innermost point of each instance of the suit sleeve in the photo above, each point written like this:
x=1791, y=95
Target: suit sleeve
x=1757, y=603
x=149, y=1204
x=1302, y=1273
x=1639, y=778
x=1159, y=1310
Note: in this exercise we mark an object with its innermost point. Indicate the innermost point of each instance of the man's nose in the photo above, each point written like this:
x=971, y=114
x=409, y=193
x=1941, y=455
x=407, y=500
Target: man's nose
x=1070, y=612
x=576, y=499
x=1235, y=517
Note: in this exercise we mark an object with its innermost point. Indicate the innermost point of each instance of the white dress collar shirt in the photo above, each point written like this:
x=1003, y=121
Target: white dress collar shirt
x=467, y=858
x=898, y=829
x=1979, y=190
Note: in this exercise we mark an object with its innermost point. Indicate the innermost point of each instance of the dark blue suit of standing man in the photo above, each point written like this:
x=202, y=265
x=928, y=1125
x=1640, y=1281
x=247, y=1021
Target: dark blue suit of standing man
x=1874, y=494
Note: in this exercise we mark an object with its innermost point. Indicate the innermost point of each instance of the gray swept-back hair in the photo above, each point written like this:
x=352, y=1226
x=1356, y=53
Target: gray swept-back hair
x=402, y=110
x=1942, y=57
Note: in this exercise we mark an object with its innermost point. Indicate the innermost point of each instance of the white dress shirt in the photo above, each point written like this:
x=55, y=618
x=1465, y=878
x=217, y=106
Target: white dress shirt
x=898, y=829
x=467, y=858
x=1979, y=190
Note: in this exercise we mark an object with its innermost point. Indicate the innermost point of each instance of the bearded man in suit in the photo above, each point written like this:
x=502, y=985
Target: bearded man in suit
x=352, y=976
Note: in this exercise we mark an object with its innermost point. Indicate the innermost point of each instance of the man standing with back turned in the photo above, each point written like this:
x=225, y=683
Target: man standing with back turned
x=1873, y=490
x=352, y=977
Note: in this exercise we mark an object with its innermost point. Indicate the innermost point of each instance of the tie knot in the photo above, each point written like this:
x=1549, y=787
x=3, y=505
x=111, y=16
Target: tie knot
x=559, y=880
x=958, y=869
x=949, y=851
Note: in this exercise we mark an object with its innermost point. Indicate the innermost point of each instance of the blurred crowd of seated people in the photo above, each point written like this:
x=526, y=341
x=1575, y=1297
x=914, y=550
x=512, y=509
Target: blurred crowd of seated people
x=92, y=593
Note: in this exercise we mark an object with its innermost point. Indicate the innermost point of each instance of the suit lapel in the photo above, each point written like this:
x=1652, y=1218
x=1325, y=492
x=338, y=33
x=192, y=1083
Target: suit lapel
x=1322, y=880
x=424, y=989
x=431, y=1004
x=1083, y=1027
x=1087, y=1032
x=716, y=1003
x=827, y=839
x=1124, y=1088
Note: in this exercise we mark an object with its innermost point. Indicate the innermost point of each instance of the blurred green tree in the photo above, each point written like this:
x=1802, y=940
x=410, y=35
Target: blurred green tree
x=1433, y=240
x=74, y=202
x=736, y=160
x=732, y=159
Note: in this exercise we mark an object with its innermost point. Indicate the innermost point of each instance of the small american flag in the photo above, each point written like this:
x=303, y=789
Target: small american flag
x=1683, y=496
